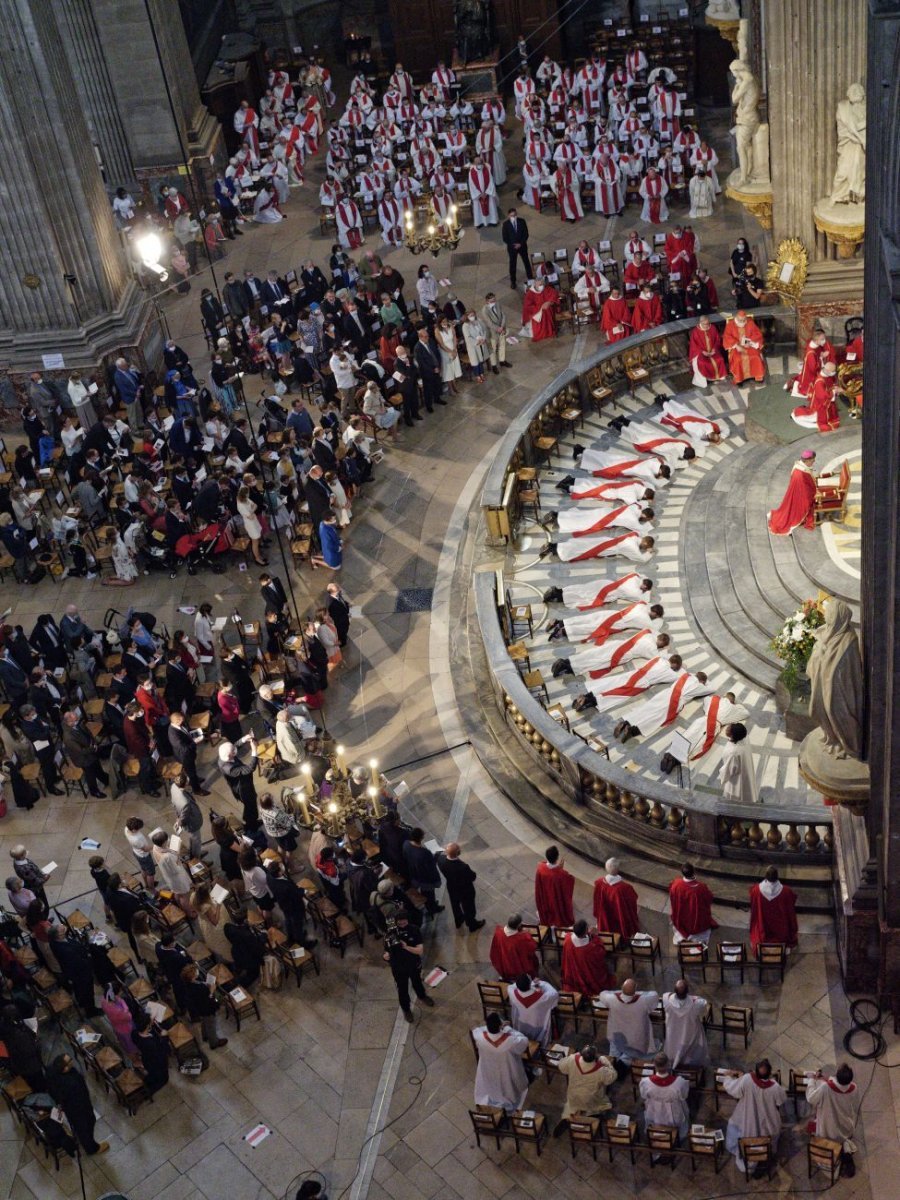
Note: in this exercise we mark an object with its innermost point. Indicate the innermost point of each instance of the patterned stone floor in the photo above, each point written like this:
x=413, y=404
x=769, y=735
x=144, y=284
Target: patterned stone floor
x=378, y=1106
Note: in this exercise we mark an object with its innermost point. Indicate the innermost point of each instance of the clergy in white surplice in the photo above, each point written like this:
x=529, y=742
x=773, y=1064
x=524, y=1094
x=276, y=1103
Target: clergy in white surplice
x=500, y=1079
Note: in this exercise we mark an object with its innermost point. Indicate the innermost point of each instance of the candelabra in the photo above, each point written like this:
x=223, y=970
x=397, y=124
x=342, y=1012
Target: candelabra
x=334, y=802
x=436, y=235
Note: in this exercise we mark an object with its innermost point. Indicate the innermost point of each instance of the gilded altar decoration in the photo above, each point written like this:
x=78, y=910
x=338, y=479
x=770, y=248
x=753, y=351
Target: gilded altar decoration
x=787, y=273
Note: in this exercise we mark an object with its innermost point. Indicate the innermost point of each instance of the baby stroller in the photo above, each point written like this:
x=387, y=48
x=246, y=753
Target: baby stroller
x=205, y=547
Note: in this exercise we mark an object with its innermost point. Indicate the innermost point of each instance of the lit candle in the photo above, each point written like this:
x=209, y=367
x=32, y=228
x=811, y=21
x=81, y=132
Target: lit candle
x=339, y=755
x=375, y=797
x=373, y=767
x=308, y=779
x=300, y=796
x=452, y=215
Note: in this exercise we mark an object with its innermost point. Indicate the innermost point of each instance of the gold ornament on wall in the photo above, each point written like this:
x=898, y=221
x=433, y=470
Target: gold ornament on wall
x=787, y=273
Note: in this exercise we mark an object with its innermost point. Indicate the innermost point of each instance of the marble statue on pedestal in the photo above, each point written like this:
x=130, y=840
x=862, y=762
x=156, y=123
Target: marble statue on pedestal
x=849, y=186
x=835, y=672
x=750, y=134
x=723, y=10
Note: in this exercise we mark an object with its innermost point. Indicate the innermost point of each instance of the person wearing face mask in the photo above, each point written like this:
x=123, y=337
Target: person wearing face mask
x=426, y=287
x=383, y=415
x=740, y=256
x=477, y=345
x=407, y=380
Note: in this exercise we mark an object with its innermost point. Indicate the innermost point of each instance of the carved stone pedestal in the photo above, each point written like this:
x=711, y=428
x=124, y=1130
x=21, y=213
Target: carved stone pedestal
x=755, y=197
x=855, y=903
x=842, y=224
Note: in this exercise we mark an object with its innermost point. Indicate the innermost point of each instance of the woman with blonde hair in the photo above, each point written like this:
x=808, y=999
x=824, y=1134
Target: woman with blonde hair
x=212, y=918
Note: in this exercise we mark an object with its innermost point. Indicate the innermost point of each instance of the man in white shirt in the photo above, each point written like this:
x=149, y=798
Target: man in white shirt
x=343, y=368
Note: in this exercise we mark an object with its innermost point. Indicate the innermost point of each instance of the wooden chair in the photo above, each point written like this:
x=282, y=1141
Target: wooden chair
x=635, y=371
x=831, y=498
x=123, y=962
x=488, y=1121
x=75, y=922
x=73, y=776
x=494, y=997
x=610, y=941
x=796, y=1088
x=824, y=1155
x=130, y=1090
x=141, y=990
x=559, y=714
x=706, y=1146
x=294, y=958
x=544, y=444
x=638, y=1070
x=737, y=1019
x=239, y=1003
x=14, y=1091
x=340, y=930
x=693, y=954
x=620, y=1137
x=662, y=1140
x=182, y=1042
x=568, y=1008
x=520, y=615
x=585, y=1131
x=733, y=957
x=518, y=652
x=534, y=682
x=757, y=1152
x=644, y=948
x=772, y=956
x=530, y=1128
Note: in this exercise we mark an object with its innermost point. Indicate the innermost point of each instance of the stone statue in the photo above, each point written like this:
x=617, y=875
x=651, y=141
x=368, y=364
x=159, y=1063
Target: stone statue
x=749, y=134
x=849, y=185
x=835, y=672
x=474, y=37
x=723, y=10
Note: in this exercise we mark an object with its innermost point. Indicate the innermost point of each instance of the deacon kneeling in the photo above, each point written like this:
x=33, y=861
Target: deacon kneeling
x=500, y=1079
x=583, y=966
x=665, y=1096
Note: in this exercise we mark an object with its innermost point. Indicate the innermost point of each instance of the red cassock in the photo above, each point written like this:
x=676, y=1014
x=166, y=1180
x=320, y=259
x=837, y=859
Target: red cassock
x=615, y=907
x=647, y=313
x=513, y=955
x=680, y=253
x=822, y=405
x=797, y=506
x=616, y=320
x=803, y=382
x=744, y=361
x=553, y=888
x=773, y=920
x=638, y=273
x=584, y=968
x=691, y=903
x=705, y=350
x=543, y=323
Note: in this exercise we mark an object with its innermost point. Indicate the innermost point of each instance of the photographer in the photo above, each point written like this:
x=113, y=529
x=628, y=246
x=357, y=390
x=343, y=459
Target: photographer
x=403, y=950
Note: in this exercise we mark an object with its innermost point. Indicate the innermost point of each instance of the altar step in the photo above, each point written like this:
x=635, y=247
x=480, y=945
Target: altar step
x=740, y=584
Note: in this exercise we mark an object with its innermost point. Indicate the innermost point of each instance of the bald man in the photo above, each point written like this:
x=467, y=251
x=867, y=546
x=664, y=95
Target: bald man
x=460, y=887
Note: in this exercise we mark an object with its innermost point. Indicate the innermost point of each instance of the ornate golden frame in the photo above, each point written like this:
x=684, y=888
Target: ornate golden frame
x=787, y=273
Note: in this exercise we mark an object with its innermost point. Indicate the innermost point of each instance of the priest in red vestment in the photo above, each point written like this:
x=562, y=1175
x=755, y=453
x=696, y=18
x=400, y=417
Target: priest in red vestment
x=513, y=951
x=705, y=353
x=616, y=321
x=553, y=888
x=691, y=904
x=583, y=967
x=797, y=507
x=539, y=307
x=744, y=341
x=615, y=903
x=822, y=412
x=681, y=253
x=773, y=916
x=648, y=312
x=818, y=352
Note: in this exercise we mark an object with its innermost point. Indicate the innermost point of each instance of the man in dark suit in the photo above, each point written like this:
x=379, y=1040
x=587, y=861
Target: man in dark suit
x=253, y=290
x=273, y=593
x=318, y=495
x=123, y=905
x=357, y=327
x=339, y=611
x=211, y=311
x=122, y=685
x=81, y=750
x=237, y=437
x=323, y=453
x=514, y=232
x=14, y=679
x=428, y=364
x=114, y=715
x=292, y=902
x=179, y=689
x=235, y=297
x=184, y=750
x=421, y=871
x=40, y=735
x=275, y=294
x=314, y=282
x=460, y=887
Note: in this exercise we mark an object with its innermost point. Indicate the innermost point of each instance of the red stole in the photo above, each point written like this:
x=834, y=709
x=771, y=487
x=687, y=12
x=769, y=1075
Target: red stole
x=620, y=468
x=630, y=688
x=620, y=653
x=529, y=1000
x=598, y=600
x=596, y=551
x=672, y=710
x=602, y=632
x=499, y=1041
x=602, y=522
x=712, y=723
x=646, y=447
x=482, y=178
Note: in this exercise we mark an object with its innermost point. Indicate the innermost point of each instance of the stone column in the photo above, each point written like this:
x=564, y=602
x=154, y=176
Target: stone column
x=96, y=94
x=140, y=75
x=65, y=286
x=814, y=50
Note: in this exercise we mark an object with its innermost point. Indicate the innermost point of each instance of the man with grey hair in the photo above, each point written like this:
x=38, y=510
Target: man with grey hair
x=460, y=887
x=615, y=903
x=41, y=737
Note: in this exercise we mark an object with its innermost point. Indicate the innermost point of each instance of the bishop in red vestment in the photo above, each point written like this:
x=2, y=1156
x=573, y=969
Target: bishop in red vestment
x=705, y=353
x=691, y=904
x=616, y=321
x=615, y=903
x=553, y=888
x=513, y=952
x=773, y=916
x=539, y=307
x=796, y=508
x=583, y=966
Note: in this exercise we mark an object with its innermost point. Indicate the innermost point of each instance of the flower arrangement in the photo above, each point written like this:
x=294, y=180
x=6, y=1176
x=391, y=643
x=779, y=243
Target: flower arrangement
x=794, y=644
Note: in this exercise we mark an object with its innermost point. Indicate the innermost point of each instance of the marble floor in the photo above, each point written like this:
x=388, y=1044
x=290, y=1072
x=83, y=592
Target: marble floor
x=348, y=1089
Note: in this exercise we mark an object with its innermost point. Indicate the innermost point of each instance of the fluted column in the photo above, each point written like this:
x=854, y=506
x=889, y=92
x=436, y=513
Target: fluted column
x=64, y=283
x=81, y=38
x=814, y=50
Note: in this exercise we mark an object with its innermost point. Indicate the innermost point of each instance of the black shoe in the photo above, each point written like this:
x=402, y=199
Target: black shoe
x=496, y=370
x=56, y=791
x=565, y=483
x=407, y=1015
x=478, y=925
x=553, y=596
x=419, y=417
x=561, y=1128
x=427, y=1000
x=507, y=365
x=431, y=410
x=99, y=795
x=458, y=924
x=444, y=402
x=760, y=1172
x=408, y=423
x=848, y=1166
x=311, y=943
